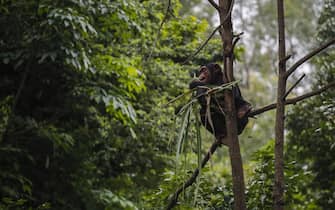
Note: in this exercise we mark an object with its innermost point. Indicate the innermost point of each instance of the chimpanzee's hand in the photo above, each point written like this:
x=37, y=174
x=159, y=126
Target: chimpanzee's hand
x=195, y=83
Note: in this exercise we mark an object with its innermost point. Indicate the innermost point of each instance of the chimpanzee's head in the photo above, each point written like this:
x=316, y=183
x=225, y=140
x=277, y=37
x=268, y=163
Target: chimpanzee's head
x=211, y=74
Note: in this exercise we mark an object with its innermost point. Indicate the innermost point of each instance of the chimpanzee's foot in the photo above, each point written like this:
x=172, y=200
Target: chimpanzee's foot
x=243, y=110
x=222, y=140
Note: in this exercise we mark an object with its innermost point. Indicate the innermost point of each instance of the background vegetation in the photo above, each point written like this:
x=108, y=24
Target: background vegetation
x=83, y=93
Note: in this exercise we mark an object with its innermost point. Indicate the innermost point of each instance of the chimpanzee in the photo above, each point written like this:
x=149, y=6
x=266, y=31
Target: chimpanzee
x=212, y=75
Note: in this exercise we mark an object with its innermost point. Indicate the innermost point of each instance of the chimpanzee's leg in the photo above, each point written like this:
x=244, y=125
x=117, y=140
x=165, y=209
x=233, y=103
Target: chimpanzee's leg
x=242, y=106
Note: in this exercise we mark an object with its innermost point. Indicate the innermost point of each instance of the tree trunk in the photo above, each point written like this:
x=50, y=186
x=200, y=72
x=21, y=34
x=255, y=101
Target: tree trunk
x=225, y=7
x=278, y=190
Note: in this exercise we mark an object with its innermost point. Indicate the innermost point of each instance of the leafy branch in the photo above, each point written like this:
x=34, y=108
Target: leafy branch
x=192, y=179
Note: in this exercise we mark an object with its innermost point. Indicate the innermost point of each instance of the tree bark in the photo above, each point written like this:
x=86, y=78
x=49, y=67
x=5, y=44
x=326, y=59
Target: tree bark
x=225, y=7
x=278, y=190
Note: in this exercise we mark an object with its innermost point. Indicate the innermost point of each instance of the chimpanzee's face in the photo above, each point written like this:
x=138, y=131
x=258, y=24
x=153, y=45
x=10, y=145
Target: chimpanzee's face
x=204, y=75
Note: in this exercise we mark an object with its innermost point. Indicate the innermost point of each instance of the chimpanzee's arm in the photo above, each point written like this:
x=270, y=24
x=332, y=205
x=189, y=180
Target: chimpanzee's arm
x=200, y=92
x=243, y=108
x=195, y=83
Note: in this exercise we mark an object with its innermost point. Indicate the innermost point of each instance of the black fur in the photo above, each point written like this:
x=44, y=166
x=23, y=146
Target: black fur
x=217, y=103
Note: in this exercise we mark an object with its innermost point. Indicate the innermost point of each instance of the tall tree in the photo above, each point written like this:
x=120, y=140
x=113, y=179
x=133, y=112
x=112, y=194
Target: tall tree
x=225, y=8
x=278, y=190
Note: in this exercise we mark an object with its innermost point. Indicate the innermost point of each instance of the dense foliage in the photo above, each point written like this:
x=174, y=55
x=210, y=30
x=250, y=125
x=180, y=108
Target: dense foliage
x=83, y=88
x=66, y=92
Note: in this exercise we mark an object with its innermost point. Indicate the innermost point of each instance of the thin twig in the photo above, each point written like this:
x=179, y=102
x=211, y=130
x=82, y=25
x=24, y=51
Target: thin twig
x=238, y=35
x=165, y=16
x=307, y=57
x=210, y=36
x=235, y=42
x=214, y=4
x=291, y=100
x=202, y=45
x=160, y=28
x=285, y=59
x=178, y=97
x=174, y=199
x=294, y=85
x=208, y=92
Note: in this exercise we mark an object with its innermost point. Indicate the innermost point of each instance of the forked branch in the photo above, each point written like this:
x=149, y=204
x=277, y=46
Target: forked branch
x=214, y=4
x=307, y=57
x=294, y=85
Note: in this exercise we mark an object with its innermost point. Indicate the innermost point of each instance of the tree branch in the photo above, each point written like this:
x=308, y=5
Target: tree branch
x=307, y=57
x=236, y=40
x=203, y=44
x=294, y=85
x=160, y=28
x=192, y=179
x=165, y=16
x=214, y=4
x=291, y=100
x=210, y=36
